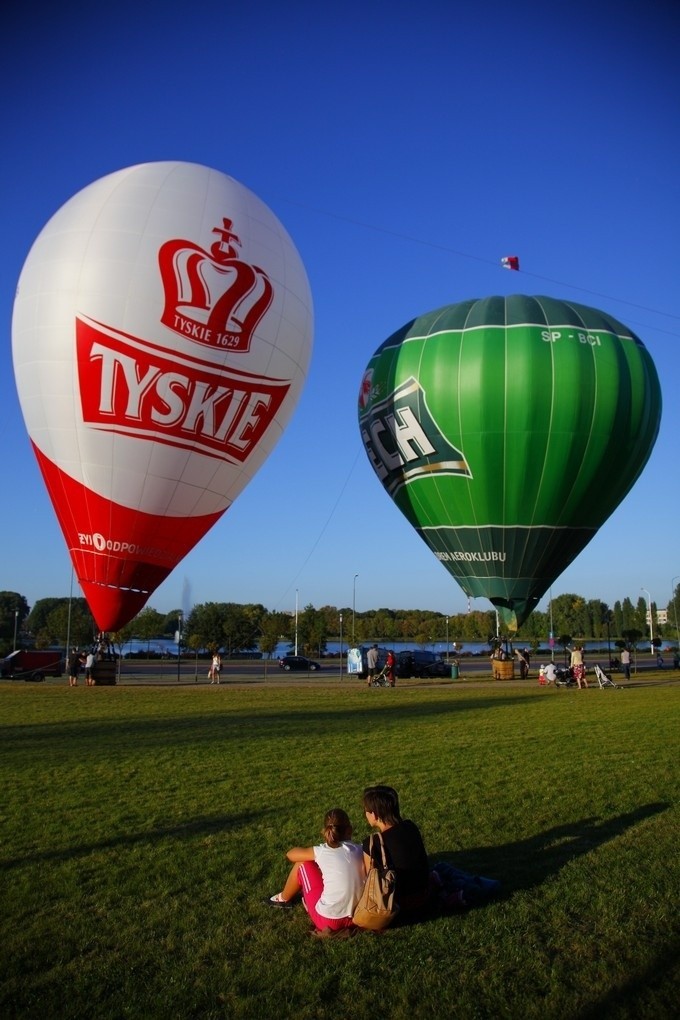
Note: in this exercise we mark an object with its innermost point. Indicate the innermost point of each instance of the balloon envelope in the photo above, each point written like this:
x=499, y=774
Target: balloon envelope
x=507, y=430
x=162, y=333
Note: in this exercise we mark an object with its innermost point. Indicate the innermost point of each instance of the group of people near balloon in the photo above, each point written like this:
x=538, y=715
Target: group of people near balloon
x=79, y=660
x=329, y=876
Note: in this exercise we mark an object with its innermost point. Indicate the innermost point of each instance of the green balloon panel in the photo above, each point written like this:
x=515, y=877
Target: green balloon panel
x=507, y=430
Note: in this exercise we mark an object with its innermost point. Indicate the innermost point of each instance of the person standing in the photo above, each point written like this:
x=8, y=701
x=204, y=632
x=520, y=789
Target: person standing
x=625, y=663
x=390, y=668
x=372, y=663
x=523, y=660
x=578, y=667
x=89, y=669
x=75, y=661
x=215, y=667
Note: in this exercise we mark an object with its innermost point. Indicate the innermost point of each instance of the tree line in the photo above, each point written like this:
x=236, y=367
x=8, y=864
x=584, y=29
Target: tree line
x=236, y=627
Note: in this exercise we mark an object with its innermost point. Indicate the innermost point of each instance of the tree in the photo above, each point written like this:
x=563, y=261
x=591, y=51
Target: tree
x=642, y=617
x=311, y=631
x=195, y=642
x=599, y=616
x=632, y=636
x=37, y=618
x=170, y=623
x=119, y=638
x=570, y=615
x=240, y=627
x=70, y=621
x=564, y=641
x=628, y=617
x=148, y=625
x=275, y=627
x=674, y=611
x=207, y=620
x=13, y=612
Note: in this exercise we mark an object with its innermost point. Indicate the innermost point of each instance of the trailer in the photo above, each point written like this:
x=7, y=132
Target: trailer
x=357, y=662
x=32, y=664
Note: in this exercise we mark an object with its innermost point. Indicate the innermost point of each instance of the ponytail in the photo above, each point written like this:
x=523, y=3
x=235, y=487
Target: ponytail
x=336, y=827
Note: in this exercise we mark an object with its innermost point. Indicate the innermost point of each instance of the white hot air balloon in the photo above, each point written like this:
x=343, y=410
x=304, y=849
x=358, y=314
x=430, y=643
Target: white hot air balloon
x=161, y=337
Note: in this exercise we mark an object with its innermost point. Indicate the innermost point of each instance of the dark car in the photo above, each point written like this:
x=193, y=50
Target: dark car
x=422, y=664
x=299, y=662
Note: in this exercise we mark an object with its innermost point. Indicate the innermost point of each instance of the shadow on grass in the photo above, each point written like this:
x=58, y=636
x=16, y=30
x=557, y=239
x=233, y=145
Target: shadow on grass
x=630, y=998
x=227, y=721
x=527, y=863
x=183, y=830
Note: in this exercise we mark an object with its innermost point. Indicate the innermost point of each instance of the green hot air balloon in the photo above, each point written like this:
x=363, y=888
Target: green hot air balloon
x=507, y=430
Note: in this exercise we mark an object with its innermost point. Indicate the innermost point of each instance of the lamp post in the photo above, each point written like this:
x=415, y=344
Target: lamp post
x=296, y=620
x=551, y=639
x=675, y=610
x=354, y=600
x=16, y=623
x=447, y=639
x=179, y=640
x=341, y=646
x=651, y=622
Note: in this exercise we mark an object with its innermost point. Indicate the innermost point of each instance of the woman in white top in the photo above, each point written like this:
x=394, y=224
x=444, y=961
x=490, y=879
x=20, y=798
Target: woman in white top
x=215, y=667
x=329, y=876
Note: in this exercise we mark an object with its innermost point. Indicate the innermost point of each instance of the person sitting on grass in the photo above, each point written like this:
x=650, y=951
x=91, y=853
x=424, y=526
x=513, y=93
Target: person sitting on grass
x=404, y=847
x=330, y=876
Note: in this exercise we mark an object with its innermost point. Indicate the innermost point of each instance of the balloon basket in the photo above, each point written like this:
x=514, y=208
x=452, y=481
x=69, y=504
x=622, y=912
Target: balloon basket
x=503, y=670
x=105, y=673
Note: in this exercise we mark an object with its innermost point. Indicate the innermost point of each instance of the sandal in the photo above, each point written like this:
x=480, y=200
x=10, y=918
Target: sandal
x=276, y=901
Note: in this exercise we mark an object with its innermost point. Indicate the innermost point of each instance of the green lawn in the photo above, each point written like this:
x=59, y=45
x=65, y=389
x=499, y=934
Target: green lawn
x=142, y=827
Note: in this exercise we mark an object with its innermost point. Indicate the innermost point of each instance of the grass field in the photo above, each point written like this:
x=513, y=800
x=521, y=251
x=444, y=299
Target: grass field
x=142, y=828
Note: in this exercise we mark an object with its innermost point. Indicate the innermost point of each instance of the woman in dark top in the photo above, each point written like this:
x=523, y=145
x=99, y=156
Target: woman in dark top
x=403, y=846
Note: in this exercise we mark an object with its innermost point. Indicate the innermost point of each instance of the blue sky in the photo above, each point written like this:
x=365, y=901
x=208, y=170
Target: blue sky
x=406, y=148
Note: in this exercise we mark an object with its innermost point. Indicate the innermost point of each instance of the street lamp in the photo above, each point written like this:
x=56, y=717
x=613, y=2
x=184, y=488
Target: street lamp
x=16, y=623
x=354, y=600
x=179, y=640
x=341, y=646
x=296, y=650
x=651, y=622
x=447, y=639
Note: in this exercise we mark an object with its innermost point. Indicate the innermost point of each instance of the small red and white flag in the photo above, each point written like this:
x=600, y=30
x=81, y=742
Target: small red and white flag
x=510, y=262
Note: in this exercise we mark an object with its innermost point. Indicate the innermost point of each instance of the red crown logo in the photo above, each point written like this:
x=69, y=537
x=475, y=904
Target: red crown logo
x=213, y=297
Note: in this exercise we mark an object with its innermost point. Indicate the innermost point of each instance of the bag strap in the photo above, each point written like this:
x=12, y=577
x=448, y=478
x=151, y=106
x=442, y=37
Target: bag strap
x=378, y=837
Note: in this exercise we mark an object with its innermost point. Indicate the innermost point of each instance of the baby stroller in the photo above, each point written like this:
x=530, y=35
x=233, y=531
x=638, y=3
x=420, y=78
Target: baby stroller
x=380, y=679
x=603, y=680
x=565, y=677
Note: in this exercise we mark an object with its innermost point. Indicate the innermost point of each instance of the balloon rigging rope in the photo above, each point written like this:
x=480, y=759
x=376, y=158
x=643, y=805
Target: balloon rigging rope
x=487, y=261
x=322, y=532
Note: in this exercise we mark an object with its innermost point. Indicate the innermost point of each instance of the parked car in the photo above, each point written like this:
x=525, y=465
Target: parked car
x=421, y=663
x=298, y=662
